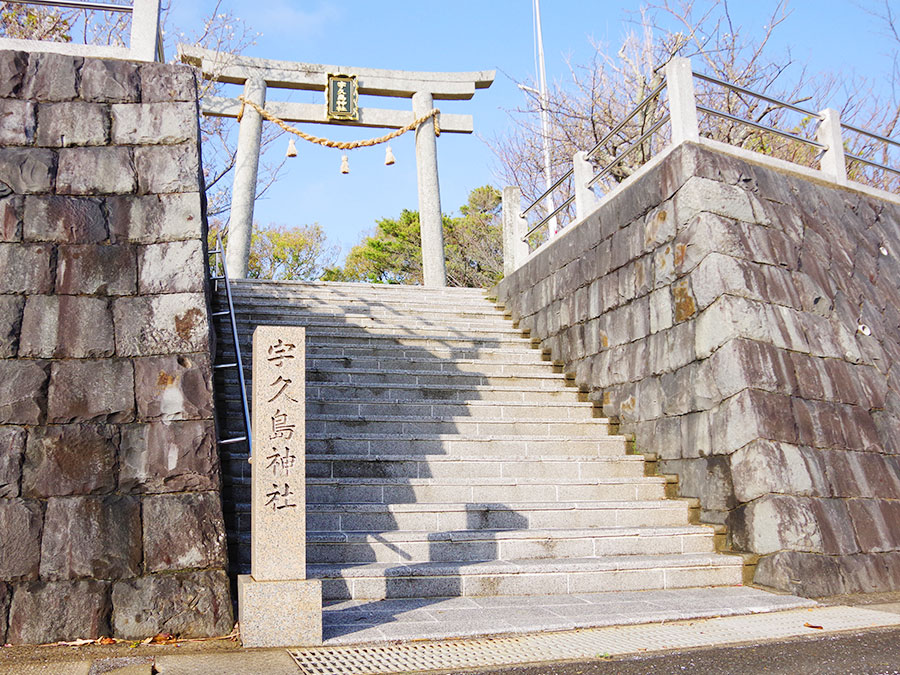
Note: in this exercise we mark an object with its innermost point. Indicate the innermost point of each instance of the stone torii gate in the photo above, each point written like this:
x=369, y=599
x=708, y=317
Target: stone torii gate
x=257, y=75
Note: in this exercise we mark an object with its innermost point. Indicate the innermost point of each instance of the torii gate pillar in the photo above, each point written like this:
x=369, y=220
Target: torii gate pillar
x=431, y=224
x=243, y=191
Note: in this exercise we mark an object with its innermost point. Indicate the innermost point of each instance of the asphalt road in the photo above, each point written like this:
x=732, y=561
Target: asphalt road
x=873, y=652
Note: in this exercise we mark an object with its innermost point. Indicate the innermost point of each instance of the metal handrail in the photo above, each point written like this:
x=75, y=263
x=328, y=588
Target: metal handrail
x=877, y=137
x=750, y=92
x=547, y=192
x=857, y=158
x=763, y=127
x=76, y=4
x=616, y=129
x=220, y=250
x=820, y=117
x=640, y=106
x=547, y=218
x=634, y=146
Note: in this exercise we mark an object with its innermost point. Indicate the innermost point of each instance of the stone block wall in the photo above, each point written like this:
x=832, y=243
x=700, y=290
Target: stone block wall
x=743, y=322
x=110, y=510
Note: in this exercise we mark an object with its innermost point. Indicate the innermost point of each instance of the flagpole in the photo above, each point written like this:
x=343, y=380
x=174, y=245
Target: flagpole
x=543, y=101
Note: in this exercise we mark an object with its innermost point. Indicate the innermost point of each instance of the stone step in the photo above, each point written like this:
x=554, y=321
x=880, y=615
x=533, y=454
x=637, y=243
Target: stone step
x=388, y=293
x=446, y=313
x=494, y=368
x=384, y=447
x=356, y=289
x=431, y=490
x=441, y=517
x=390, y=392
x=358, y=292
x=521, y=353
x=365, y=326
x=379, y=580
x=358, y=338
x=336, y=426
x=477, y=467
x=474, y=410
x=535, y=380
x=485, y=545
x=425, y=366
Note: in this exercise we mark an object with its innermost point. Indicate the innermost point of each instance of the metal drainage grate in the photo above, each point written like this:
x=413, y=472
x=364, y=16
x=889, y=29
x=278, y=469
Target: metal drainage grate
x=585, y=643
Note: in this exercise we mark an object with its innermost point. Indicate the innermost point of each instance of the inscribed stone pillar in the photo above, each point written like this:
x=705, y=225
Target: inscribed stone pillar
x=278, y=606
x=430, y=220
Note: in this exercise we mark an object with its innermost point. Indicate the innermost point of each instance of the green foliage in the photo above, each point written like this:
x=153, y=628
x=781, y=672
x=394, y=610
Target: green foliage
x=297, y=253
x=473, y=244
x=392, y=255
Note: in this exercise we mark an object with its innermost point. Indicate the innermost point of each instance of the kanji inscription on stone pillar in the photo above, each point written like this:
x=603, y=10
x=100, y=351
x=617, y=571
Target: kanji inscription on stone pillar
x=278, y=498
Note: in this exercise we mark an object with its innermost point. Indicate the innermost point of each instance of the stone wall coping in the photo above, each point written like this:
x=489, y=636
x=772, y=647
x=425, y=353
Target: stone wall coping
x=796, y=169
x=724, y=148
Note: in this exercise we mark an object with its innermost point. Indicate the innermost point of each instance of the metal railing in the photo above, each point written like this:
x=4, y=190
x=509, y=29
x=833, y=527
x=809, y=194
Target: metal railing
x=145, y=38
x=591, y=153
x=864, y=160
x=684, y=118
x=219, y=264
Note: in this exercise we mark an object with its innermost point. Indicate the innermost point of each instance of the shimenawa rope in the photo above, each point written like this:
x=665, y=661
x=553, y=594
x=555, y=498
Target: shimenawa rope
x=435, y=113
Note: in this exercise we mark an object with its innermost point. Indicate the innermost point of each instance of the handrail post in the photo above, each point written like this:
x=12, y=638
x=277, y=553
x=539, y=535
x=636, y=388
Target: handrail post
x=585, y=199
x=514, y=226
x=144, y=30
x=828, y=134
x=682, y=102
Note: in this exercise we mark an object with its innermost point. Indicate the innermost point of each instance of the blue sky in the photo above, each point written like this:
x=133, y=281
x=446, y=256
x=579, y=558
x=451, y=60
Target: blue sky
x=830, y=35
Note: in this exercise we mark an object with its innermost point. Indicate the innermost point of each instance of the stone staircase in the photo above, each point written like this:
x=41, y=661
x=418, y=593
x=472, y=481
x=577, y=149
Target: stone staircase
x=447, y=457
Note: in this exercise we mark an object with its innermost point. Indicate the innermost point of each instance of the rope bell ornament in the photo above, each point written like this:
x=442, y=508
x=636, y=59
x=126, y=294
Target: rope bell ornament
x=345, y=164
x=388, y=156
x=291, y=149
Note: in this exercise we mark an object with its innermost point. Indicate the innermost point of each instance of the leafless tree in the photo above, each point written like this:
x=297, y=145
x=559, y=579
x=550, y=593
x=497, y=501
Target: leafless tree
x=600, y=93
x=230, y=35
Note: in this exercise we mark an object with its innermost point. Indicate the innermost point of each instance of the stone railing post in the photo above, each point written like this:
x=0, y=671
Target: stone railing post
x=243, y=191
x=585, y=199
x=828, y=134
x=514, y=227
x=682, y=104
x=278, y=605
x=144, y=30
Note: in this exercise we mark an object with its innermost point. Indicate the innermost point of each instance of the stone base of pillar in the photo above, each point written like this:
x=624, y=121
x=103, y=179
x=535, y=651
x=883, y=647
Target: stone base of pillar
x=286, y=613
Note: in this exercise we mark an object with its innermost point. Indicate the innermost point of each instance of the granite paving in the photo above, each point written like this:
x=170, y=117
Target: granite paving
x=360, y=621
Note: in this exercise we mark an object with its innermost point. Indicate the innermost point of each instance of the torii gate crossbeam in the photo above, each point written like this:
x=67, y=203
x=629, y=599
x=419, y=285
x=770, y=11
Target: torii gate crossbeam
x=257, y=75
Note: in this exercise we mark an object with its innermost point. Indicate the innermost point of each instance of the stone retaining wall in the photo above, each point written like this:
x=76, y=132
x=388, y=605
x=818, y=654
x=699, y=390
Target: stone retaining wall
x=744, y=324
x=110, y=512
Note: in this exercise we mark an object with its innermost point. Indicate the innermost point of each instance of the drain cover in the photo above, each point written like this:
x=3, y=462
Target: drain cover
x=587, y=643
